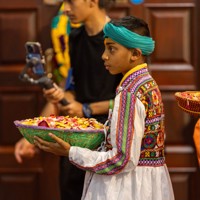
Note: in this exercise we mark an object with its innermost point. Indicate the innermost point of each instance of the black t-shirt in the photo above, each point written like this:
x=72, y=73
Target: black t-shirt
x=93, y=82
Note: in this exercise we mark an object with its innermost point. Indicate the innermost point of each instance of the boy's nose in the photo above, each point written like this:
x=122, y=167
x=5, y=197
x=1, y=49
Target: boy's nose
x=104, y=56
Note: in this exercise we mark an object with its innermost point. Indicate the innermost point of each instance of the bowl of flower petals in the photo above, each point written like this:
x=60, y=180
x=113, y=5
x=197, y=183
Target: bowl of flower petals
x=82, y=132
x=189, y=101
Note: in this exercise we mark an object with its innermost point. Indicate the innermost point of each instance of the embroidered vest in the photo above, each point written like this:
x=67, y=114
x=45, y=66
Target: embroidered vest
x=143, y=86
x=152, y=147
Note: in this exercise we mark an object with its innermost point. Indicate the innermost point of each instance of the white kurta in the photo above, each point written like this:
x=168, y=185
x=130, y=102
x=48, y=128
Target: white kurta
x=133, y=182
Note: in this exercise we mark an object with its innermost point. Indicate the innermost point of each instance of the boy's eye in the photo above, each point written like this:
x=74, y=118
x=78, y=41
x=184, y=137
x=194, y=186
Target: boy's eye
x=111, y=49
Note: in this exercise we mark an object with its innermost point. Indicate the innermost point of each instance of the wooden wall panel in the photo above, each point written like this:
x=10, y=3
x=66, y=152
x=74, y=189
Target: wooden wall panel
x=175, y=46
x=13, y=106
x=174, y=128
x=180, y=183
x=120, y=10
x=181, y=161
x=17, y=28
x=12, y=183
x=39, y=175
x=172, y=62
x=174, y=76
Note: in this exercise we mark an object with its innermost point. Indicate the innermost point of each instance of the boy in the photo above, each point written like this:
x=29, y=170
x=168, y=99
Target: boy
x=134, y=167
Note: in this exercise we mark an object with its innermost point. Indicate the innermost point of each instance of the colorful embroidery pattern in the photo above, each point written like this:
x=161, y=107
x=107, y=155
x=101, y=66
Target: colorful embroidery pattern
x=124, y=137
x=152, y=149
x=144, y=87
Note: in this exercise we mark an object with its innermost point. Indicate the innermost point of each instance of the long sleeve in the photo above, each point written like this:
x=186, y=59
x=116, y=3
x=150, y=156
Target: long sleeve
x=127, y=128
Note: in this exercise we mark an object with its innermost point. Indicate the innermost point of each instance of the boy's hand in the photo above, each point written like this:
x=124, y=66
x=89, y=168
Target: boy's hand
x=60, y=148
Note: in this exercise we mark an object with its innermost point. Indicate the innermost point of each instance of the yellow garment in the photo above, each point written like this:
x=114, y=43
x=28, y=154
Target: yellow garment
x=196, y=137
x=132, y=70
x=61, y=27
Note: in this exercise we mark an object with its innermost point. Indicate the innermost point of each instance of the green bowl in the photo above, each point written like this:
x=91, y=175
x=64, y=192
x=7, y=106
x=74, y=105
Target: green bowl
x=90, y=139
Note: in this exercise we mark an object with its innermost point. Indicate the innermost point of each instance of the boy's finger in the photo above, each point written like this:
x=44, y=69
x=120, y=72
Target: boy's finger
x=41, y=143
x=57, y=139
x=39, y=139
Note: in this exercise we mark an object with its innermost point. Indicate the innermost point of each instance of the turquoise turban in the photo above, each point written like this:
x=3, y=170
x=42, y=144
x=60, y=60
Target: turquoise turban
x=129, y=39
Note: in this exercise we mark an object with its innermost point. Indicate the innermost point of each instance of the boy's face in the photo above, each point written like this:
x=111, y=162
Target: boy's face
x=77, y=10
x=117, y=58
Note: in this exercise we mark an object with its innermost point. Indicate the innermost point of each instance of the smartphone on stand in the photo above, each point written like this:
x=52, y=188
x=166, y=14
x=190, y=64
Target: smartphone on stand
x=35, y=57
x=36, y=62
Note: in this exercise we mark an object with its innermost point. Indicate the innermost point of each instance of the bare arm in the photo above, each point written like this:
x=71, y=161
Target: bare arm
x=99, y=108
x=75, y=108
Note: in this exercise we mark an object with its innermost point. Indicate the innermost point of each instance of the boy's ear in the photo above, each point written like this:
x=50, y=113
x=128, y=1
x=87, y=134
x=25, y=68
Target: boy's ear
x=136, y=53
x=94, y=2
